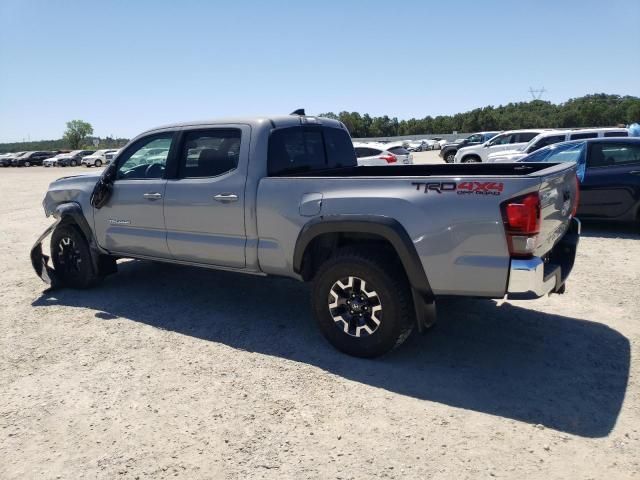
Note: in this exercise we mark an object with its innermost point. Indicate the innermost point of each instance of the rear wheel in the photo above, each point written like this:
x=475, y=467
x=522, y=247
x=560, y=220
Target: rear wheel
x=98, y=163
x=362, y=303
x=449, y=157
x=73, y=163
x=27, y=163
x=71, y=257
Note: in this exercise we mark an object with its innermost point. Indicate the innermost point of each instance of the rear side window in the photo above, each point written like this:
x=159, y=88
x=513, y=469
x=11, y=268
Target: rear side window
x=621, y=133
x=209, y=153
x=543, y=142
x=579, y=136
x=303, y=149
x=526, y=136
x=610, y=154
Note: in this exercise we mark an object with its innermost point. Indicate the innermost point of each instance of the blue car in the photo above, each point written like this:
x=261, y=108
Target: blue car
x=609, y=173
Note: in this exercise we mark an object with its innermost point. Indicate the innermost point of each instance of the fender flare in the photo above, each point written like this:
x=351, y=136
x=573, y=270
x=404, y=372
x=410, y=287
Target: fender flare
x=386, y=227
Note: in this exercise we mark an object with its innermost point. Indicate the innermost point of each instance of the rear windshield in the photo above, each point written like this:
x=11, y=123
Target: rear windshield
x=399, y=151
x=304, y=149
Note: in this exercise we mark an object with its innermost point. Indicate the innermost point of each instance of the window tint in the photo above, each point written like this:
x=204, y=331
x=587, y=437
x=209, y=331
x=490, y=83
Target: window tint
x=579, y=136
x=475, y=138
x=339, y=148
x=526, y=136
x=146, y=159
x=295, y=150
x=544, y=141
x=611, y=154
x=503, y=139
x=209, y=153
x=398, y=151
x=621, y=133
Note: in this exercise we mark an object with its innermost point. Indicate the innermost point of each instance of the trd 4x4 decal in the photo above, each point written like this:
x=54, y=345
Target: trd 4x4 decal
x=461, y=188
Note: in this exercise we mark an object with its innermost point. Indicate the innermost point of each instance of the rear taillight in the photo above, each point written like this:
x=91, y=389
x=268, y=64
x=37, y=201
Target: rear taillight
x=389, y=158
x=576, y=201
x=521, y=217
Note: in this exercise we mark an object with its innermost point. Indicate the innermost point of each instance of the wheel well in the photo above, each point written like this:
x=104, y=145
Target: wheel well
x=325, y=245
x=471, y=155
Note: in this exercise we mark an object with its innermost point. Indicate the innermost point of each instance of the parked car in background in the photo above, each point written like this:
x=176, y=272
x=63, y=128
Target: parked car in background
x=99, y=158
x=6, y=158
x=70, y=159
x=503, y=141
x=415, y=145
x=371, y=154
x=32, y=158
x=555, y=136
x=609, y=173
x=449, y=150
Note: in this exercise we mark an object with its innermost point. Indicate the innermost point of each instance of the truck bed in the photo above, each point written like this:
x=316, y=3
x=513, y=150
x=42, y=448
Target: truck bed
x=444, y=170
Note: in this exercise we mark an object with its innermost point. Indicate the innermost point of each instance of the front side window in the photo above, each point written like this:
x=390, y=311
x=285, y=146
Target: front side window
x=146, y=159
x=209, y=153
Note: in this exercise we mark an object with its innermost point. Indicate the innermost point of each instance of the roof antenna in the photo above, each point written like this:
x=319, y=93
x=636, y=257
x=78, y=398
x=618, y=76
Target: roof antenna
x=299, y=111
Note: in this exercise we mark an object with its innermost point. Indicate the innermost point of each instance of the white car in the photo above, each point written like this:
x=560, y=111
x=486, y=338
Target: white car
x=99, y=158
x=508, y=140
x=371, y=154
x=554, y=136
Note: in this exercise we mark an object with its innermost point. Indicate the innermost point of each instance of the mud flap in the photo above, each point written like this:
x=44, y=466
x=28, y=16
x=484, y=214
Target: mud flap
x=40, y=261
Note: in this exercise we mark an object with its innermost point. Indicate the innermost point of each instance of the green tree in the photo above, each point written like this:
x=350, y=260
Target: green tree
x=76, y=133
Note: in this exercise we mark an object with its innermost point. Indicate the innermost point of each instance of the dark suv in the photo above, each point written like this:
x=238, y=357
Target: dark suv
x=32, y=158
x=448, y=152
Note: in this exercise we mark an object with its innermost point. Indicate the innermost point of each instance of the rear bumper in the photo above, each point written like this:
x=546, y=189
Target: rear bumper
x=536, y=277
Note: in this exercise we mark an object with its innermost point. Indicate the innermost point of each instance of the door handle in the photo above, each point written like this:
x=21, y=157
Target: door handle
x=226, y=197
x=152, y=196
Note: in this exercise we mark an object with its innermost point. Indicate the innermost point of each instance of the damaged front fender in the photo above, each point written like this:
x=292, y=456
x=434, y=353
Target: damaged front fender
x=40, y=261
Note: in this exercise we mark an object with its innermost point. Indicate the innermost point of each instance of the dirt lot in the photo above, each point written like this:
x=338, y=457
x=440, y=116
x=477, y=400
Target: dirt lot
x=168, y=371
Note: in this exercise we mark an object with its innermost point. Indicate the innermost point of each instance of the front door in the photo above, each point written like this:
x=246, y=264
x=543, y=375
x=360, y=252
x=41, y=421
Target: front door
x=204, y=207
x=132, y=221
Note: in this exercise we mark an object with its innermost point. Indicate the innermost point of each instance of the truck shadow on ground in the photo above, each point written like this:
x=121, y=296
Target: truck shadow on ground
x=565, y=373
x=626, y=231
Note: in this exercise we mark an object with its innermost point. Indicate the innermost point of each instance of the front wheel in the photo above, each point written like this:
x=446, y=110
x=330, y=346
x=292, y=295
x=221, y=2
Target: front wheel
x=471, y=160
x=363, y=304
x=98, y=163
x=71, y=258
x=73, y=163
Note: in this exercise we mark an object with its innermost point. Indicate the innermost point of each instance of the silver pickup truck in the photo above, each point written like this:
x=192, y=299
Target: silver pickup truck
x=284, y=196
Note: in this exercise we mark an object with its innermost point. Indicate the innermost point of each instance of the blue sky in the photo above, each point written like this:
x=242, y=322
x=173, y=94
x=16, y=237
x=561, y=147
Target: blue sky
x=126, y=66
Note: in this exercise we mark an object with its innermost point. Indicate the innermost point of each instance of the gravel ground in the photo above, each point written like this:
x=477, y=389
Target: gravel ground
x=167, y=371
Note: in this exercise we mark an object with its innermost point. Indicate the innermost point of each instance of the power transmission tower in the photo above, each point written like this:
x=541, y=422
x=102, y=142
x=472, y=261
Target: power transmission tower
x=536, y=94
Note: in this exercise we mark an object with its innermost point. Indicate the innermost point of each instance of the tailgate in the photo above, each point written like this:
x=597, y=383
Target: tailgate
x=558, y=197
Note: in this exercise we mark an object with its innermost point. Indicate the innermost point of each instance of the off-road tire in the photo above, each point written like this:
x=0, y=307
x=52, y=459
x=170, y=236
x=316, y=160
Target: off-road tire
x=71, y=258
x=382, y=274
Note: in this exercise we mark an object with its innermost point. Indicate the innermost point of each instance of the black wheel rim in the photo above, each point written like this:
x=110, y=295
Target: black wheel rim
x=355, y=307
x=69, y=259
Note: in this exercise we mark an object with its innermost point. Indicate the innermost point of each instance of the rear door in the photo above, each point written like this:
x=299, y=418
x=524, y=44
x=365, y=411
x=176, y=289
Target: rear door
x=205, y=205
x=611, y=187
x=132, y=221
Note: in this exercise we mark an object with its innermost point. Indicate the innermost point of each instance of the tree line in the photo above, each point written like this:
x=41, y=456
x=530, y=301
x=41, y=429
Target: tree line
x=597, y=110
